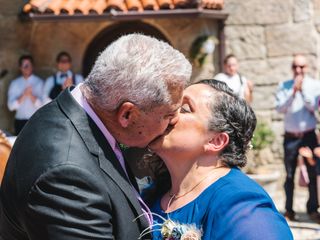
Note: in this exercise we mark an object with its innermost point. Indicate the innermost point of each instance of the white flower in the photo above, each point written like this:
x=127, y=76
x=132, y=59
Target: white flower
x=208, y=46
x=191, y=235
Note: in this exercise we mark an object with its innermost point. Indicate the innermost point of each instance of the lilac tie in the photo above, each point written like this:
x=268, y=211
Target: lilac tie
x=145, y=209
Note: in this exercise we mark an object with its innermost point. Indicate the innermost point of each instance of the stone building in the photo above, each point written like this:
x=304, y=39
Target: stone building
x=264, y=35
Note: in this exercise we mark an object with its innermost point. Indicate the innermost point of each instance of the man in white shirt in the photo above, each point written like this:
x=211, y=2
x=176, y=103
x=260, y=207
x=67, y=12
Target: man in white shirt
x=61, y=79
x=25, y=93
x=238, y=83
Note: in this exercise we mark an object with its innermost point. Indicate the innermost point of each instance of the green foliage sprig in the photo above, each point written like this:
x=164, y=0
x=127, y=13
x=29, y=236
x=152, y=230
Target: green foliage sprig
x=262, y=137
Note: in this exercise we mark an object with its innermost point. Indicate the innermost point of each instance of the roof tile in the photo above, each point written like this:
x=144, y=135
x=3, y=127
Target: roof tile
x=100, y=6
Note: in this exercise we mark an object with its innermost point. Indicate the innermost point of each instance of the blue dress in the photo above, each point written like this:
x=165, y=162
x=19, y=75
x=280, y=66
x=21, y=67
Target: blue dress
x=234, y=207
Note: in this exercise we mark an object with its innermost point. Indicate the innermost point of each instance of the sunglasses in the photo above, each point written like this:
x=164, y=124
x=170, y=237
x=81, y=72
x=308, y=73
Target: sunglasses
x=298, y=66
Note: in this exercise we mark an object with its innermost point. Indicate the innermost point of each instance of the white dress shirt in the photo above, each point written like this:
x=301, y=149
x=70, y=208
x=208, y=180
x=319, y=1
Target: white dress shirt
x=300, y=109
x=233, y=82
x=60, y=78
x=26, y=108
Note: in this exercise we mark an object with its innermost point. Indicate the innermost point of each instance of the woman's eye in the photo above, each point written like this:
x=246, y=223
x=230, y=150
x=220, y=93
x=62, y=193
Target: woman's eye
x=185, y=108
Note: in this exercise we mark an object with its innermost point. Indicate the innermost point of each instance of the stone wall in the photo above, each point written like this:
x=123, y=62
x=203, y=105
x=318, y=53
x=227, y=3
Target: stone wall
x=265, y=35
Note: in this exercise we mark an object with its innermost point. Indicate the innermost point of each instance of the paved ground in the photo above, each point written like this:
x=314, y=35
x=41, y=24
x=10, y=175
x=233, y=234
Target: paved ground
x=304, y=229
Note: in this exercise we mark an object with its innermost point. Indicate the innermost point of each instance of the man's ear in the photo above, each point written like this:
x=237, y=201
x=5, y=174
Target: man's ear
x=217, y=143
x=126, y=114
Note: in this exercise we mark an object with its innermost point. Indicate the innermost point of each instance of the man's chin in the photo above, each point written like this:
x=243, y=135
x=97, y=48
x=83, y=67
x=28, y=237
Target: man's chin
x=159, y=139
x=155, y=141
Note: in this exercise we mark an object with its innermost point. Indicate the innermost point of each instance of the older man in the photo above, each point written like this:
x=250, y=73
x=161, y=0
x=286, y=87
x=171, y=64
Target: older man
x=66, y=177
x=296, y=99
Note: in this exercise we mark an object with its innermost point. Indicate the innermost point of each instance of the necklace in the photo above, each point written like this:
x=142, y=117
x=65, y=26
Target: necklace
x=175, y=196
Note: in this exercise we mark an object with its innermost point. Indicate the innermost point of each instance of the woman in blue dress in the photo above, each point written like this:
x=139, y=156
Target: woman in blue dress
x=207, y=196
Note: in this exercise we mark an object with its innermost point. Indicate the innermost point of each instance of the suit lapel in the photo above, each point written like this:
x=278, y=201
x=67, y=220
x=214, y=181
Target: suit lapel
x=99, y=146
x=123, y=183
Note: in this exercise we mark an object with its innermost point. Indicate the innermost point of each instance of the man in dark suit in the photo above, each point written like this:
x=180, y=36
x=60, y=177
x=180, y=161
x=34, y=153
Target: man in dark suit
x=66, y=177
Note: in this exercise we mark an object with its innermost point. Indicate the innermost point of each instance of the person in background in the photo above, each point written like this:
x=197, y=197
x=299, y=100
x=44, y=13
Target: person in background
x=62, y=79
x=240, y=85
x=25, y=93
x=296, y=99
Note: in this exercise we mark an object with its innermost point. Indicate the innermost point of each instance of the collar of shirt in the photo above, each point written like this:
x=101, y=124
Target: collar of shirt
x=77, y=94
x=28, y=80
x=68, y=73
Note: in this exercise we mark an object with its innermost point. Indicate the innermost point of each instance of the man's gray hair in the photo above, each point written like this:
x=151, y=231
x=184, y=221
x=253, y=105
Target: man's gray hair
x=139, y=69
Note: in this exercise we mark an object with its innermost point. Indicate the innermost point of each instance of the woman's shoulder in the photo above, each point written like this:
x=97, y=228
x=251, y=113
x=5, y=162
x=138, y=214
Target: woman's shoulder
x=242, y=182
x=237, y=187
x=241, y=201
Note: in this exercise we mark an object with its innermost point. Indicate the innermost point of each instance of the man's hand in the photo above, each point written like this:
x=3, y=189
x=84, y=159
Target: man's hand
x=306, y=152
x=67, y=83
x=28, y=93
x=297, y=87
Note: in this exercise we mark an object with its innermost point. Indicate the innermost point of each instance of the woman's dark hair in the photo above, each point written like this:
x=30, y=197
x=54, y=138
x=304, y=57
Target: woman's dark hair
x=25, y=57
x=232, y=115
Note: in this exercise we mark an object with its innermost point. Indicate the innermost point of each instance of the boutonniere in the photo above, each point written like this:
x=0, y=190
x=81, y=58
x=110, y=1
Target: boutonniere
x=123, y=147
x=171, y=230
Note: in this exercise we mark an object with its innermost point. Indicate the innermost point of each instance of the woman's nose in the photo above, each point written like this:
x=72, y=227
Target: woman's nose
x=174, y=119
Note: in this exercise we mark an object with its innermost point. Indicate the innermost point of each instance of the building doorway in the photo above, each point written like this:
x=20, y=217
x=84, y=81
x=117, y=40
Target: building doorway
x=108, y=35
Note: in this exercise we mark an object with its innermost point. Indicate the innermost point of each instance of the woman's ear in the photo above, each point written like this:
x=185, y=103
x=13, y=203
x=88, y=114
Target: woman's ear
x=125, y=113
x=217, y=143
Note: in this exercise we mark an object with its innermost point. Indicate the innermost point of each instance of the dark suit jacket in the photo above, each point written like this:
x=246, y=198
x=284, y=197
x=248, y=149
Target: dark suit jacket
x=63, y=181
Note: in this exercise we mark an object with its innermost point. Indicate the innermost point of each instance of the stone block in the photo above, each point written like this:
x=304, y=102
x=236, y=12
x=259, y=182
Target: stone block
x=264, y=97
x=279, y=69
x=289, y=39
x=316, y=11
x=62, y=36
x=12, y=7
x=258, y=11
x=277, y=117
x=246, y=42
x=255, y=70
x=266, y=71
x=302, y=10
x=14, y=34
